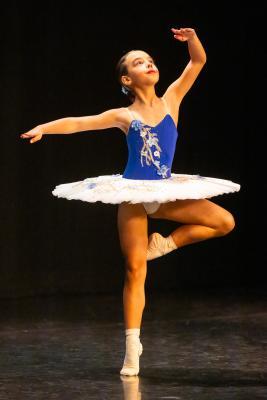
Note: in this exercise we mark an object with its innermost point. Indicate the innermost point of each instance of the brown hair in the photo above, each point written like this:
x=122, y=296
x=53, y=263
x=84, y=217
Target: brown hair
x=121, y=69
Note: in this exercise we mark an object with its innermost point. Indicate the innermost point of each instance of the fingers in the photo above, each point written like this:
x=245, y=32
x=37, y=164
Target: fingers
x=33, y=133
x=35, y=137
x=179, y=34
x=182, y=34
x=182, y=30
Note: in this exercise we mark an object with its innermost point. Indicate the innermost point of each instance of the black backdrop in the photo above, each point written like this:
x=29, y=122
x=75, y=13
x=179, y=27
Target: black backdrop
x=59, y=60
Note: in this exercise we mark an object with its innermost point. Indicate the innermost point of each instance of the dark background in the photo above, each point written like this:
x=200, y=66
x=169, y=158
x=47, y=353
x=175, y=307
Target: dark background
x=58, y=60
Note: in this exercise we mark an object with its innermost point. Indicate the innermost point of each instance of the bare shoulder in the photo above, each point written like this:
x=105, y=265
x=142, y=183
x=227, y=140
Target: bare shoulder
x=112, y=118
x=173, y=105
x=171, y=100
x=123, y=119
x=120, y=116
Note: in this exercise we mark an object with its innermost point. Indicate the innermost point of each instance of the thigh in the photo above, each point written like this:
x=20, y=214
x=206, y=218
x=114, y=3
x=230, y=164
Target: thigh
x=133, y=230
x=193, y=211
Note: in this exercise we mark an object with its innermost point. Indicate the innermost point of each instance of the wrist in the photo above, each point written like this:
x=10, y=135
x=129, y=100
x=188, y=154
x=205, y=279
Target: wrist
x=193, y=38
x=40, y=129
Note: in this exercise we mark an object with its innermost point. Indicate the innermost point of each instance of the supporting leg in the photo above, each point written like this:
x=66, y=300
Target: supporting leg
x=132, y=224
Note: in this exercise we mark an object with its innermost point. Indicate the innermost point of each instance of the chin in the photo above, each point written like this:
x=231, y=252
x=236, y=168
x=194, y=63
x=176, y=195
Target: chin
x=152, y=78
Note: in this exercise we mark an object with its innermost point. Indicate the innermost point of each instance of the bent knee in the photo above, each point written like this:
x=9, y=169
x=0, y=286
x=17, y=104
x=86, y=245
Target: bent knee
x=226, y=225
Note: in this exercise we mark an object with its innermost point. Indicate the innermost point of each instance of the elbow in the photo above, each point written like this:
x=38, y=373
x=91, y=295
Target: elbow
x=203, y=60
x=200, y=61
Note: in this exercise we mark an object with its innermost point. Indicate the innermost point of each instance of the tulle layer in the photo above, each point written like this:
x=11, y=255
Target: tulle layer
x=115, y=189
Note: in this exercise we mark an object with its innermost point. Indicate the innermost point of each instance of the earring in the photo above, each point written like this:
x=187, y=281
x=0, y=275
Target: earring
x=124, y=90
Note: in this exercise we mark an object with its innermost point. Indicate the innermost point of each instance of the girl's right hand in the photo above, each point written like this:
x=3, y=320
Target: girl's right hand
x=35, y=133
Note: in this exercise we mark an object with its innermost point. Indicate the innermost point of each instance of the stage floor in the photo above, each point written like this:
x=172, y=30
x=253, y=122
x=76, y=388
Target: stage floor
x=196, y=345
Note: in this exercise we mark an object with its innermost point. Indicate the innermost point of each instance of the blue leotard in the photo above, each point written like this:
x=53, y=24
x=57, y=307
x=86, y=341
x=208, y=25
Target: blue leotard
x=150, y=157
x=150, y=148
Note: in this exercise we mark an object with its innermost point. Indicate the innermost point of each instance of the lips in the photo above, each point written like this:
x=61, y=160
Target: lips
x=151, y=71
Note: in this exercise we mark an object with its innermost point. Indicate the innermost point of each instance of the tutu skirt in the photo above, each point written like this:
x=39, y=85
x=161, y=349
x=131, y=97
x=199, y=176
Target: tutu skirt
x=115, y=189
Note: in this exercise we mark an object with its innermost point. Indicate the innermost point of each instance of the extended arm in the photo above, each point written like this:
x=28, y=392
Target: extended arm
x=198, y=58
x=107, y=119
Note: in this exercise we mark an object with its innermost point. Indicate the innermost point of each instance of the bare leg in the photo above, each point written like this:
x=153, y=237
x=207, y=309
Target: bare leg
x=203, y=220
x=132, y=227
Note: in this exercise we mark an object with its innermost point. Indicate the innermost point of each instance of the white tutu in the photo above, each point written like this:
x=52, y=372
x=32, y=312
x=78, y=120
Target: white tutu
x=115, y=189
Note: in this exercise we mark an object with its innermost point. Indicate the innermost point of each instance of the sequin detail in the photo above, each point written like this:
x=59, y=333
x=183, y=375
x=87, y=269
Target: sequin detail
x=148, y=153
x=91, y=185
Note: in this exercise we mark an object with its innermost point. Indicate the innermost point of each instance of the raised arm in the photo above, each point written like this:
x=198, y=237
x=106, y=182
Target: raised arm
x=180, y=86
x=107, y=119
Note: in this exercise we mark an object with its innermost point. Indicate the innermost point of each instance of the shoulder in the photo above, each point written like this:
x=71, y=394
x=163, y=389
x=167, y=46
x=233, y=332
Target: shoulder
x=173, y=105
x=123, y=118
x=172, y=102
x=112, y=118
x=115, y=117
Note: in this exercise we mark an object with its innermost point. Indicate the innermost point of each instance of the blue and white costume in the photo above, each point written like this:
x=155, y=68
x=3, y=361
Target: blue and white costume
x=148, y=177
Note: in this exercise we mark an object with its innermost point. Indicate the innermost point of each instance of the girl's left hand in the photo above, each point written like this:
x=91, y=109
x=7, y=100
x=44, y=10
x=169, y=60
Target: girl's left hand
x=183, y=34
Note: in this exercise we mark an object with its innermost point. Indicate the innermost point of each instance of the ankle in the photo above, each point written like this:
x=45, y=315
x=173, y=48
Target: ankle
x=171, y=242
x=132, y=331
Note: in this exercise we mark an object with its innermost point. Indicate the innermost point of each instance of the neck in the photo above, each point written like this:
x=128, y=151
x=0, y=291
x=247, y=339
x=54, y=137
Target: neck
x=145, y=96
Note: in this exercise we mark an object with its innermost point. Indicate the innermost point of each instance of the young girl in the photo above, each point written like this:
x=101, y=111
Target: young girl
x=147, y=186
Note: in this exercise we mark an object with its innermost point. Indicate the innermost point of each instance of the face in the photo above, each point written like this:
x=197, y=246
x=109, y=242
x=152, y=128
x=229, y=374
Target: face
x=141, y=70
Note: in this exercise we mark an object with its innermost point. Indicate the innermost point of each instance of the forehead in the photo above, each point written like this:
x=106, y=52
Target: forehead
x=136, y=54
